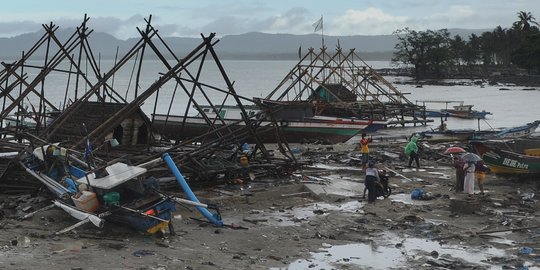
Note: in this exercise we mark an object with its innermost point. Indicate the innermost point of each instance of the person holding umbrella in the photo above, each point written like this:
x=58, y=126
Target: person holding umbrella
x=460, y=173
x=470, y=171
x=458, y=164
x=469, y=168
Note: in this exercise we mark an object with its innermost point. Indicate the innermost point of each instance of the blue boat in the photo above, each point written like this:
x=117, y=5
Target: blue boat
x=518, y=132
x=447, y=135
x=460, y=111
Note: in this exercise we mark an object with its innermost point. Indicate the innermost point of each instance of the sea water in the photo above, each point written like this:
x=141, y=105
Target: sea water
x=513, y=106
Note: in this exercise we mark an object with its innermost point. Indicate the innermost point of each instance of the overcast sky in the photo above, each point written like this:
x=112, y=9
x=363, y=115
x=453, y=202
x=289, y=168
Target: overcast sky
x=226, y=17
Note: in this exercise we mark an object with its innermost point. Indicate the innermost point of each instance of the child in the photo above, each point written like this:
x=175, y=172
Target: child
x=364, y=149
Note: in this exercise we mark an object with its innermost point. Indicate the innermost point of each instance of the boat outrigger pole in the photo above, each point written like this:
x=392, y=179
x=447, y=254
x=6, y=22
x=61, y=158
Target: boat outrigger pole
x=214, y=218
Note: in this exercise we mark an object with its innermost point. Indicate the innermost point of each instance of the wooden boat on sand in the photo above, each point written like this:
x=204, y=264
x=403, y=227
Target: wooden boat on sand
x=296, y=120
x=520, y=156
x=115, y=191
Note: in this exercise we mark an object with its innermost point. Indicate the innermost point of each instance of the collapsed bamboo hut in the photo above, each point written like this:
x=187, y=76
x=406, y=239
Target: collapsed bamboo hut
x=343, y=85
x=92, y=110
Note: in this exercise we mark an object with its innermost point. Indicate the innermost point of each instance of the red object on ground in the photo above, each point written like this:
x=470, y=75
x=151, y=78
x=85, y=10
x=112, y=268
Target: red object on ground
x=454, y=150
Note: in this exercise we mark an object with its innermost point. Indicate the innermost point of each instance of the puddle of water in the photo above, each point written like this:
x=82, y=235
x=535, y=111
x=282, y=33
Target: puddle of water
x=294, y=215
x=73, y=246
x=358, y=178
x=387, y=255
x=303, y=214
x=435, y=221
x=501, y=238
x=440, y=175
x=413, y=170
x=335, y=185
x=335, y=168
x=351, y=254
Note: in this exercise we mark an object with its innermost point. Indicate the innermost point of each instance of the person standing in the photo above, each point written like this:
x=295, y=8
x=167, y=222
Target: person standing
x=364, y=149
x=460, y=174
x=468, y=185
x=481, y=171
x=411, y=150
x=372, y=176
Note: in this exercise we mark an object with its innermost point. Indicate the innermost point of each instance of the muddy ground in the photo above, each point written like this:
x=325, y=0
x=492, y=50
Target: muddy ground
x=290, y=224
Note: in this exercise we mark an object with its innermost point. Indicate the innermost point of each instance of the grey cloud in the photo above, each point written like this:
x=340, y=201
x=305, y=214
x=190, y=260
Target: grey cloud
x=173, y=30
x=294, y=20
x=246, y=8
x=226, y=25
x=8, y=29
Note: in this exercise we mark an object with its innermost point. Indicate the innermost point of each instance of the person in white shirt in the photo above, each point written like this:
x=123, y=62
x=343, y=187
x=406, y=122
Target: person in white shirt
x=468, y=186
x=372, y=176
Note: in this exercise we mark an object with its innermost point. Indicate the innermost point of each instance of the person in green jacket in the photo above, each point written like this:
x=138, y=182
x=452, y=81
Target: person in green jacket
x=411, y=150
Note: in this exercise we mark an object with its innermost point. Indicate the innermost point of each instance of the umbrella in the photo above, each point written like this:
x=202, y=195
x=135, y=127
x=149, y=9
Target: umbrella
x=471, y=157
x=454, y=150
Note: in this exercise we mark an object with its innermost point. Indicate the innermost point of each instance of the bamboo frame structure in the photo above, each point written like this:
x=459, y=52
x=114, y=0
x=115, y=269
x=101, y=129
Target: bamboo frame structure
x=181, y=77
x=376, y=97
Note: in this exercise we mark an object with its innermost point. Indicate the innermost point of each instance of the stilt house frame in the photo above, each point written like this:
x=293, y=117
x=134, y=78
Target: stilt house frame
x=342, y=84
x=87, y=84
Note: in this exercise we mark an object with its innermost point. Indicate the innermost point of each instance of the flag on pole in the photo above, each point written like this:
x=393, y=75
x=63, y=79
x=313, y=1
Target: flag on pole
x=318, y=25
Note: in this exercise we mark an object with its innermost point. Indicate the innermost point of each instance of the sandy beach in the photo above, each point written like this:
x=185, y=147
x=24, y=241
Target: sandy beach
x=290, y=224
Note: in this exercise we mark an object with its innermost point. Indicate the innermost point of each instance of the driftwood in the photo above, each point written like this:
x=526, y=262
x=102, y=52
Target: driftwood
x=296, y=194
x=29, y=215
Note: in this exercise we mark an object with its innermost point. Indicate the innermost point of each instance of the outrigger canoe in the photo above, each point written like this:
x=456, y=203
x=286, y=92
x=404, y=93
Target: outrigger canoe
x=471, y=134
x=116, y=192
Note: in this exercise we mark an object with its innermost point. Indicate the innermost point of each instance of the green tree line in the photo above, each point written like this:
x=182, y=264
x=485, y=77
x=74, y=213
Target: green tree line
x=437, y=54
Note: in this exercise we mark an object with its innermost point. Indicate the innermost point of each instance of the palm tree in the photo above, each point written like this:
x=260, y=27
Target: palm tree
x=525, y=21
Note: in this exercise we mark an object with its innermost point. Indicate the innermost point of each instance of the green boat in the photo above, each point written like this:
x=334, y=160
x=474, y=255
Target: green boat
x=519, y=156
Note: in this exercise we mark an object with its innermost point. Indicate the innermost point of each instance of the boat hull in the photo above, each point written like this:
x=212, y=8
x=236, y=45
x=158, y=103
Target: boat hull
x=161, y=208
x=453, y=135
x=137, y=206
x=471, y=134
x=293, y=131
x=508, y=157
x=465, y=114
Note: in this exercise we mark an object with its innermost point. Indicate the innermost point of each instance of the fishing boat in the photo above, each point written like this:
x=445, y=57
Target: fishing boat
x=445, y=135
x=465, y=111
x=461, y=110
x=518, y=132
x=450, y=135
x=333, y=130
x=297, y=123
x=520, y=156
x=115, y=192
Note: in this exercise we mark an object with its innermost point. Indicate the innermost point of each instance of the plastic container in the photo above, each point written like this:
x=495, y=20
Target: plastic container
x=112, y=198
x=87, y=201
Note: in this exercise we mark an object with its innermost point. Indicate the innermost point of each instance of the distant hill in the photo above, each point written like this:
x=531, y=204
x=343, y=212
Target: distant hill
x=252, y=45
